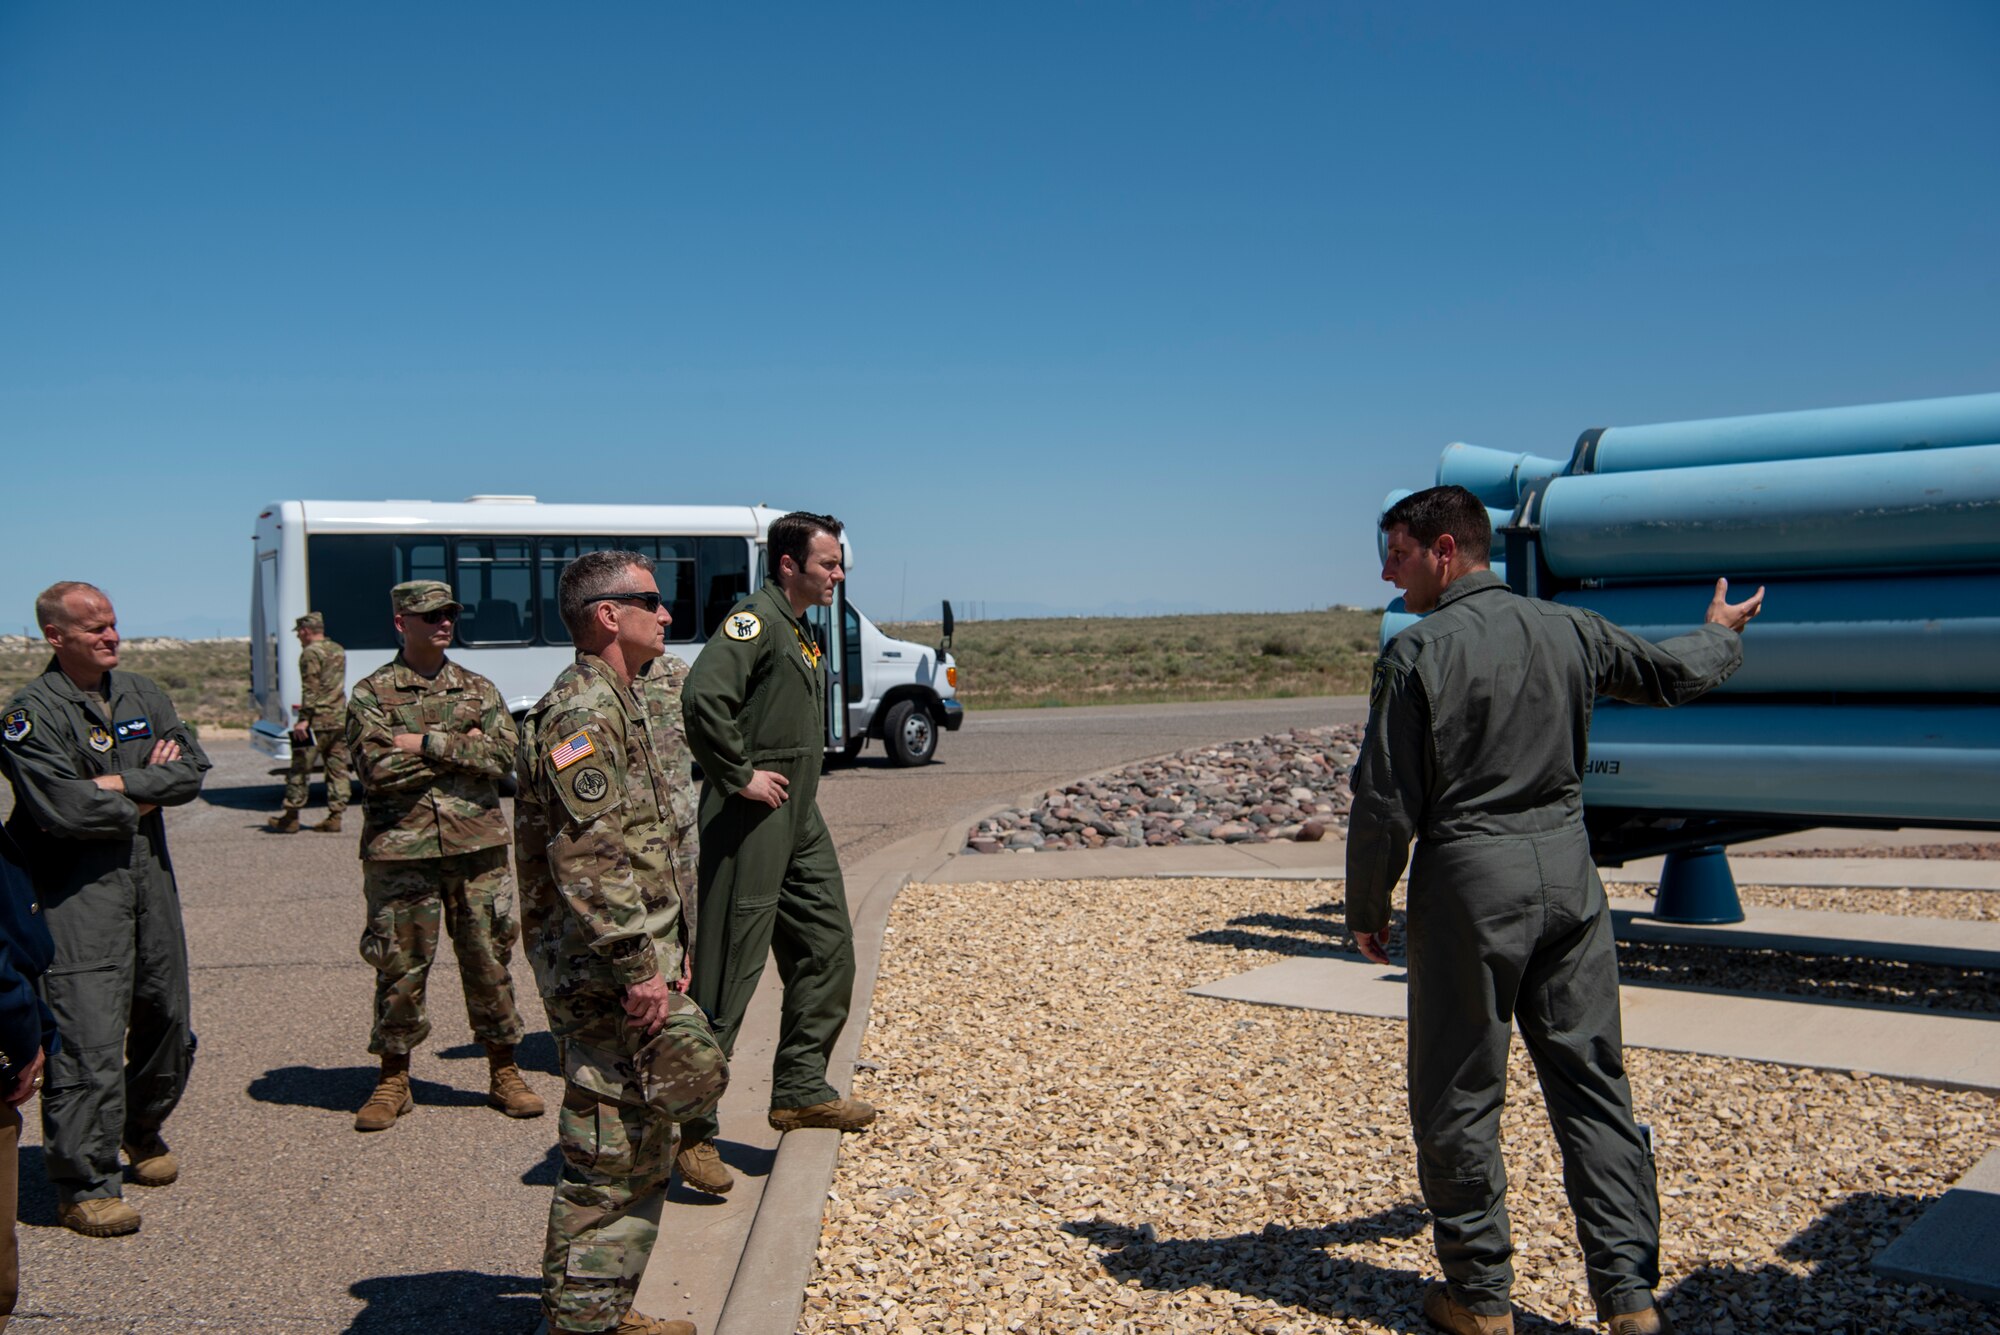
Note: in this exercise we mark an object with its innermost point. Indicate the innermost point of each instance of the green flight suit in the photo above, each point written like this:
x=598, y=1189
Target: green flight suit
x=119, y=983
x=769, y=878
x=1478, y=719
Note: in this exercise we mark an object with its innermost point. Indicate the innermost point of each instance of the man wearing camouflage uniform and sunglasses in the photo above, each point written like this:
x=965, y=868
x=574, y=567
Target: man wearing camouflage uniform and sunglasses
x=431, y=741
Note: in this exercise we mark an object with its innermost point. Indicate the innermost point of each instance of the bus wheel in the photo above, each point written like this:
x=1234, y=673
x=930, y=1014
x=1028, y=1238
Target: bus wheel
x=908, y=733
x=851, y=748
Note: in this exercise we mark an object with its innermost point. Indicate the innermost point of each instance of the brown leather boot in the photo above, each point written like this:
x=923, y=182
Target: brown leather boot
x=634, y=1324
x=391, y=1098
x=508, y=1091
x=153, y=1164
x=702, y=1167
x=100, y=1217
x=1648, y=1321
x=836, y=1114
x=1449, y=1314
x=288, y=823
x=331, y=825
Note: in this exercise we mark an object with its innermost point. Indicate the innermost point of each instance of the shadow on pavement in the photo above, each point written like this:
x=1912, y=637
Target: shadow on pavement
x=448, y=1301
x=254, y=796
x=37, y=1206
x=536, y=1052
x=346, y=1088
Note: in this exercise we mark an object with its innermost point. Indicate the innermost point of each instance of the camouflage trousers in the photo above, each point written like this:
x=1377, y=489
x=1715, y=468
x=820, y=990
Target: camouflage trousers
x=605, y=1216
x=298, y=779
x=474, y=897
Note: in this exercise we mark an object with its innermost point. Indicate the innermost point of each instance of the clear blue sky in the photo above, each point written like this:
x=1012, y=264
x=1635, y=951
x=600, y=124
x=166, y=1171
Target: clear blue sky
x=1078, y=305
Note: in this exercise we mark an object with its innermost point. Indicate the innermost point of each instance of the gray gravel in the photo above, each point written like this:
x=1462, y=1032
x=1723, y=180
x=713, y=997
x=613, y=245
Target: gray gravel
x=1071, y=1142
x=1288, y=785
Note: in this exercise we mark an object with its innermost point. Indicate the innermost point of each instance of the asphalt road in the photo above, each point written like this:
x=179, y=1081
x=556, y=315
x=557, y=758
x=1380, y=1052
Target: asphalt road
x=288, y=1220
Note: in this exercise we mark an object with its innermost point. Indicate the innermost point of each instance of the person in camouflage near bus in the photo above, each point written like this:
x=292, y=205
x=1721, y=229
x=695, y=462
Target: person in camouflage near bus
x=321, y=726
x=431, y=741
x=604, y=829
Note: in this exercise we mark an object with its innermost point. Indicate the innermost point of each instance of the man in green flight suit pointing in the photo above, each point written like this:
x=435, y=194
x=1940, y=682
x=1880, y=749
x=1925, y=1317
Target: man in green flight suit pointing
x=755, y=706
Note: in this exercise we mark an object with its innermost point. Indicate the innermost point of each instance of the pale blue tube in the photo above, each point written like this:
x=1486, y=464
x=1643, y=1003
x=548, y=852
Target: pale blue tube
x=1818, y=433
x=1910, y=764
x=1878, y=512
x=1888, y=635
x=1496, y=477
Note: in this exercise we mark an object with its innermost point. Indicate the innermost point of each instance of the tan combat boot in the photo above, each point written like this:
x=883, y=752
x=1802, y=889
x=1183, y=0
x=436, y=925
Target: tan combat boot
x=1449, y=1314
x=634, y=1324
x=391, y=1098
x=101, y=1217
x=702, y=1167
x=508, y=1091
x=834, y=1114
x=1650, y=1321
x=153, y=1164
x=288, y=823
x=331, y=825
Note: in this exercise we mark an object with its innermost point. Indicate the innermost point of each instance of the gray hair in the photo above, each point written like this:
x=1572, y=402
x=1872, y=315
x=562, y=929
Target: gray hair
x=589, y=578
x=49, y=603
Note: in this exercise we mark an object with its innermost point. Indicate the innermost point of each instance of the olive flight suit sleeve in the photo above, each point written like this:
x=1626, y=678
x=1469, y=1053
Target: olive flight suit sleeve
x=491, y=753
x=177, y=782
x=712, y=700
x=1672, y=672
x=51, y=784
x=588, y=860
x=371, y=747
x=1391, y=783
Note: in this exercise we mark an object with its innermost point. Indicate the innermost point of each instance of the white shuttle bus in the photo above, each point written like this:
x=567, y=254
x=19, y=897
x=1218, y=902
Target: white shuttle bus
x=502, y=555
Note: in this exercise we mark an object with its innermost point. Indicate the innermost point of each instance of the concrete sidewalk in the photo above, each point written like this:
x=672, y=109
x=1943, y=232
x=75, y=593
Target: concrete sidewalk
x=740, y=1267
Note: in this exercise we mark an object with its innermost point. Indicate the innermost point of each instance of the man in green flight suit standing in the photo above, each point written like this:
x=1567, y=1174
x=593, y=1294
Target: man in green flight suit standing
x=1477, y=724
x=755, y=705
x=321, y=726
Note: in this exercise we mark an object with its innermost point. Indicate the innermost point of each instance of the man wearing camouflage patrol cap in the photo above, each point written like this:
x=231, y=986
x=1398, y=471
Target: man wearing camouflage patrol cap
x=770, y=879
x=604, y=828
x=320, y=726
x=431, y=741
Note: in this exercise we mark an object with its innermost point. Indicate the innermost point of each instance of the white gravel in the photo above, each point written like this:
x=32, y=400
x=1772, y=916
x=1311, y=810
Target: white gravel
x=1070, y=1142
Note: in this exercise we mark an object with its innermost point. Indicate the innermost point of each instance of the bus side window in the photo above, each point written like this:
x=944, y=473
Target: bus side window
x=725, y=578
x=495, y=582
x=349, y=575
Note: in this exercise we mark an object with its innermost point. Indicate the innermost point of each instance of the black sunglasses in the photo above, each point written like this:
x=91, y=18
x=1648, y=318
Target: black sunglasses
x=439, y=617
x=649, y=601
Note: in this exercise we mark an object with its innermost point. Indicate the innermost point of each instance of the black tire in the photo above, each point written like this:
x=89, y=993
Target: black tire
x=851, y=748
x=909, y=734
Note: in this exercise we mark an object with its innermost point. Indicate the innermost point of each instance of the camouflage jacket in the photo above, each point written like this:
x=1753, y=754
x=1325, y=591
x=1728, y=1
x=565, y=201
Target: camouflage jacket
x=323, y=686
x=605, y=842
x=446, y=800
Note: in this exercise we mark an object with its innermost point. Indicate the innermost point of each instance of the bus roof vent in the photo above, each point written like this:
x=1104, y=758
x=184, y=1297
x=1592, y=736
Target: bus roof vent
x=499, y=500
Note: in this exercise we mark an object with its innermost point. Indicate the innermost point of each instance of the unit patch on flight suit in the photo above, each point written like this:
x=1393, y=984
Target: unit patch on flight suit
x=743, y=626
x=100, y=740
x=135, y=727
x=17, y=726
x=1379, y=685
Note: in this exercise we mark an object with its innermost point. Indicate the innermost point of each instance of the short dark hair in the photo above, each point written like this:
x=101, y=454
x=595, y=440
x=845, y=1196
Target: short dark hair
x=49, y=603
x=589, y=578
x=791, y=535
x=1435, y=511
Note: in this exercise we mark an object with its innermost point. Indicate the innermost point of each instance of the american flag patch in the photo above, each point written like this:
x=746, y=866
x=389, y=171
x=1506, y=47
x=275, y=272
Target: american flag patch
x=573, y=750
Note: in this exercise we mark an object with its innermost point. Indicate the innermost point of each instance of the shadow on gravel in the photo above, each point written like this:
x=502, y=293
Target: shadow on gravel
x=1323, y=936
x=1298, y=1267
x=448, y=1301
x=536, y=1052
x=345, y=1088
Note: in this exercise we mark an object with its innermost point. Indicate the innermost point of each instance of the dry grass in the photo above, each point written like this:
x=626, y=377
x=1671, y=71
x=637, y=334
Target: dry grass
x=1138, y=660
x=208, y=680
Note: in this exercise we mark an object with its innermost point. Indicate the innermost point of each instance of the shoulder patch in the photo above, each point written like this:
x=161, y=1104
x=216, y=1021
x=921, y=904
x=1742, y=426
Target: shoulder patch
x=574, y=748
x=17, y=726
x=100, y=740
x=586, y=793
x=743, y=626
x=1378, y=686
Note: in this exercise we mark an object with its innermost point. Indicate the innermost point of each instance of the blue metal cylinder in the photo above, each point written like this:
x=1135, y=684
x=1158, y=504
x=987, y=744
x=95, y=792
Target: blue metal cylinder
x=1496, y=477
x=1896, y=634
x=1872, y=428
x=1696, y=887
x=1396, y=620
x=1910, y=764
x=1878, y=512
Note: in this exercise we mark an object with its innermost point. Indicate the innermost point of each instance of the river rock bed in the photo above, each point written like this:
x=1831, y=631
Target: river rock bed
x=1069, y=1141
x=1289, y=785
